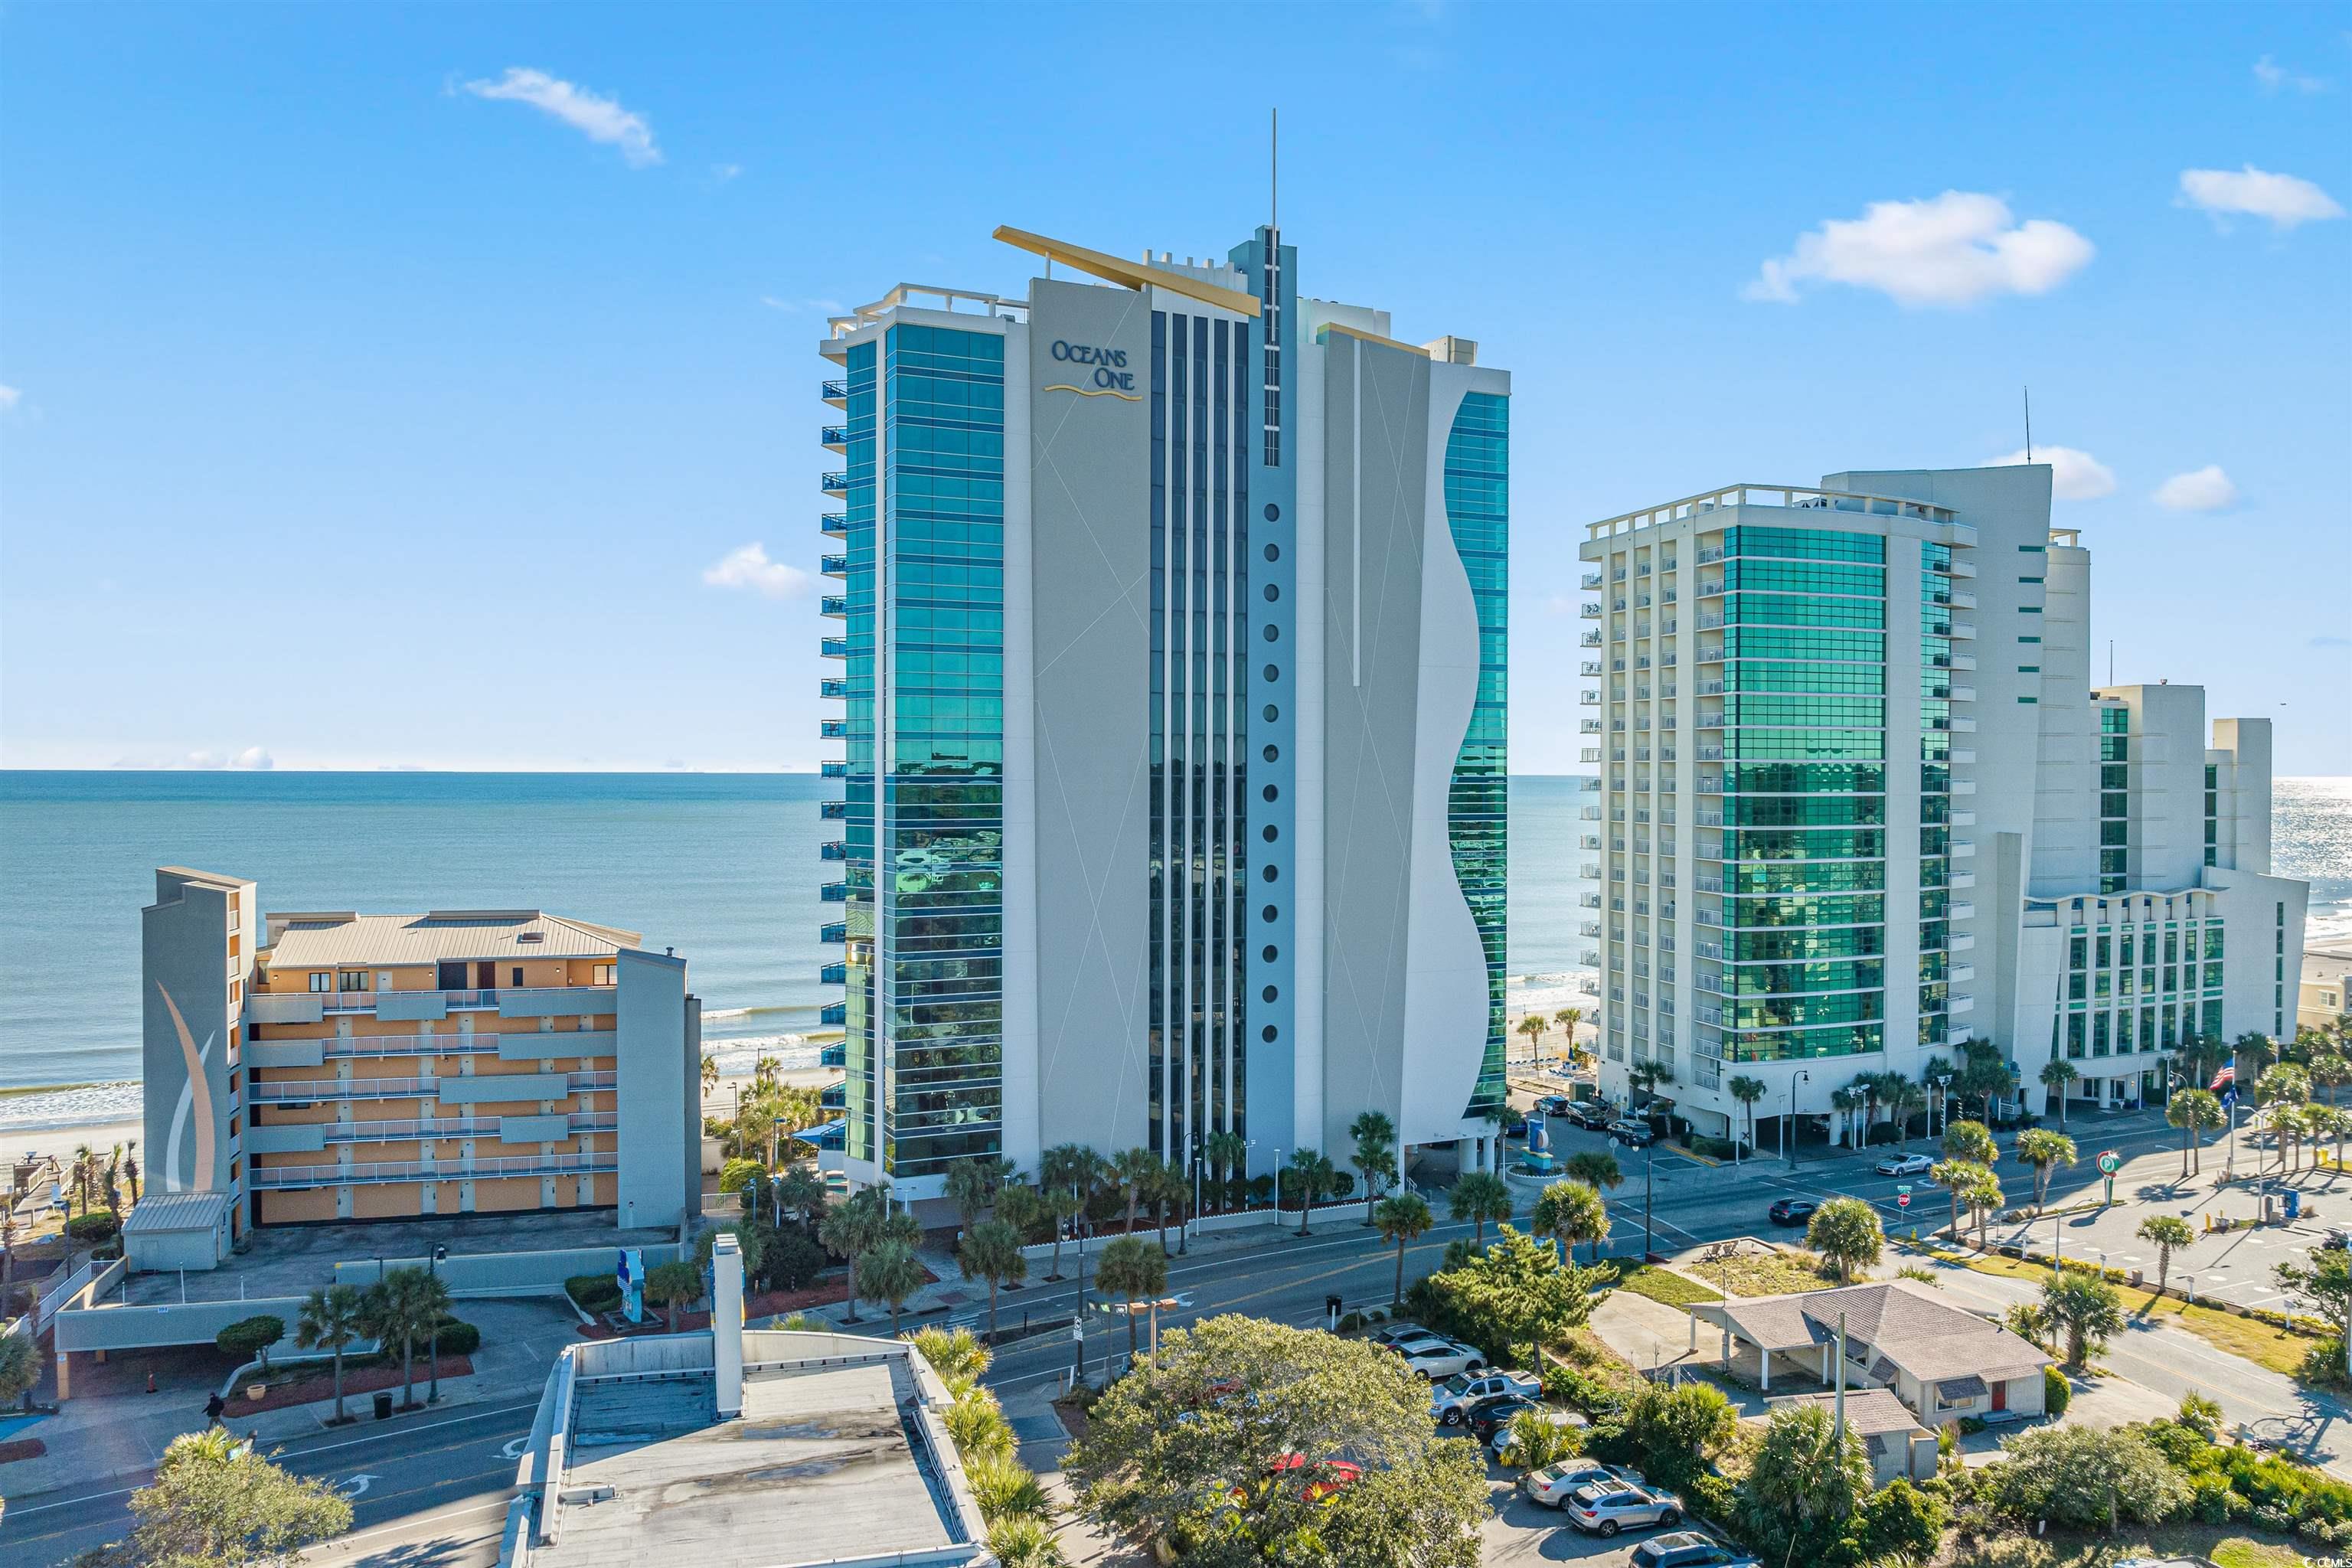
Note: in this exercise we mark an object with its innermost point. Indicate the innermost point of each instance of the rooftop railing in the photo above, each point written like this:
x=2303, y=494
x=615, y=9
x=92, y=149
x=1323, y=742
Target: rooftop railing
x=1789, y=496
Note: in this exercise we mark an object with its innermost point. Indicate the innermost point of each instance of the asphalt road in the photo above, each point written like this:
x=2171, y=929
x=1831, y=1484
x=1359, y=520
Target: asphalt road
x=426, y=1488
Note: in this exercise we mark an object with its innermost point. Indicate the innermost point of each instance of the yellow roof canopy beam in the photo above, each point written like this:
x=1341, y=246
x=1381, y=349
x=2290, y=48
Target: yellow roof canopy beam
x=1362, y=336
x=1133, y=275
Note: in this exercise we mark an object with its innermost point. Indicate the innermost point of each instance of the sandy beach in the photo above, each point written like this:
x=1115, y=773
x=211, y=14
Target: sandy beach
x=61, y=1142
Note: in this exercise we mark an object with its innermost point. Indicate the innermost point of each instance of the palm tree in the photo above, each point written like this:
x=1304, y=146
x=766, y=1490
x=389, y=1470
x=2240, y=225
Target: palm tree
x=1132, y=1169
x=1568, y=1018
x=1595, y=1168
x=113, y=1180
x=1533, y=1027
x=1375, y=1154
x=1479, y=1197
x=1569, y=1212
x=131, y=1167
x=1313, y=1171
x=1845, y=1102
x=83, y=1169
x=709, y=1076
x=331, y=1319
x=1226, y=1154
x=1404, y=1219
x=890, y=1272
x=1130, y=1269
x=1169, y=1184
x=1907, y=1100
x=1066, y=1205
x=1958, y=1176
x=2057, y=1075
x=973, y=1182
x=2045, y=1151
x=1983, y=1196
x=2331, y=1072
x=1748, y=1091
x=2165, y=1233
x=992, y=1251
x=404, y=1305
x=853, y=1227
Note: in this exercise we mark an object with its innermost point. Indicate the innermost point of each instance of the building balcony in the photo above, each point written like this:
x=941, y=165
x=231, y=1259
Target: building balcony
x=833, y=647
x=1960, y=1002
x=837, y=931
x=833, y=849
x=1589, y=813
x=1964, y=725
x=1589, y=957
x=1591, y=667
x=833, y=729
x=834, y=391
x=1964, y=786
x=1961, y=972
x=1590, y=610
x=1589, y=901
x=833, y=974
x=834, y=892
x=1590, y=841
x=1591, y=639
x=1960, y=911
x=833, y=565
x=1963, y=630
x=1711, y=721
x=1964, y=880
x=1709, y=656
x=835, y=436
x=1712, y=755
x=832, y=810
x=1590, y=870
x=1592, y=580
x=1588, y=928
x=1964, y=848
x=832, y=770
x=1588, y=726
x=1964, y=694
x=407, y=1130
x=833, y=686
x=268, y=1178
x=1964, y=601
x=1959, y=942
x=834, y=605
x=1589, y=698
x=836, y=1055
x=835, y=484
x=1710, y=590
x=1617, y=574
x=832, y=1097
x=1964, y=819
x=833, y=523
x=1617, y=605
x=1588, y=754
x=834, y=1015
x=1961, y=568
x=1710, y=624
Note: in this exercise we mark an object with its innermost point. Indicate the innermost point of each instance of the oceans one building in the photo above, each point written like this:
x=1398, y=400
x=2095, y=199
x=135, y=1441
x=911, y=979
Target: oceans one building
x=1861, y=801
x=1172, y=683
x=330, y=1066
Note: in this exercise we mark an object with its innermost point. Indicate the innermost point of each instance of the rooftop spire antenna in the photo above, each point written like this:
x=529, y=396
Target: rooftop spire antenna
x=1273, y=169
x=2029, y=424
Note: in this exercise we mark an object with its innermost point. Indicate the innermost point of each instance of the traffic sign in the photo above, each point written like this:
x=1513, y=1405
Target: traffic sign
x=1903, y=1200
x=2110, y=1162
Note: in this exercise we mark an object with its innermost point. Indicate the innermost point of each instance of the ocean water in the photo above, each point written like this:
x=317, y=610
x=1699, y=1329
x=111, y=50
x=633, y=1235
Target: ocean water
x=723, y=866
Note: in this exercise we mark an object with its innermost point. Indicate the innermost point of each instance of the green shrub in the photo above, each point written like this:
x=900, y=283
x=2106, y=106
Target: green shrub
x=1572, y=1385
x=791, y=1261
x=102, y=1225
x=2056, y=1392
x=594, y=1292
x=458, y=1337
x=2324, y=1363
x=737, y=1175
x=1713, y=1148
x=249, y=1339
x=1712, y=1497
x=1350, y=1323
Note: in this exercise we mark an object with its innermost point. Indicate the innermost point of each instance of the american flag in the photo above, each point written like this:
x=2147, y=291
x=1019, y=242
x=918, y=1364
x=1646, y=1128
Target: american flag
x=2227, y=1078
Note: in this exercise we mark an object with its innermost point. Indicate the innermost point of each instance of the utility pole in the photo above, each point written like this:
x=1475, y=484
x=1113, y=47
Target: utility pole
x=1649, y=1191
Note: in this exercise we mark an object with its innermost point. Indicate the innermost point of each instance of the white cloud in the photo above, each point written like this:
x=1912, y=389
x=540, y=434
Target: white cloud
x=2276, y=78
x=722, y=172
x=750, y=567
x=2074, y=475
x=1954, y=249
x=598, y=118
x=9, y=397
x=2200, y=489
x=2283, y=199
x=798, y=307
x=252, y=759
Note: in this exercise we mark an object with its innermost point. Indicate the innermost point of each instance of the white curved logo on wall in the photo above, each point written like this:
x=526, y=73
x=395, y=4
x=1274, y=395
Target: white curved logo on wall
x=196, y=1098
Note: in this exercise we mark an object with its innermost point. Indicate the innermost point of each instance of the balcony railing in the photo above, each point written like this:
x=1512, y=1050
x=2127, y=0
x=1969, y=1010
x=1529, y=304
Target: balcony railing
x=833, y=390
x=834, y=892
x=832, y=810
x=1592, y=580
x=1592, y=638
x=400, y=1131
x=833, y=565
x=833, y=604
x=833, y=931
x=834, y=484
x=833, y=647
x=831, y=435
x=261, y=1178
x=833, y=524
x=833, y=974
x=1590, y=610
x=833, y=849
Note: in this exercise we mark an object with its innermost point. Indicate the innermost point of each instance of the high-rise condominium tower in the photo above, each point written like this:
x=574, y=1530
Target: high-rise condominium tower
x=1862, y=803
x=1173, y=679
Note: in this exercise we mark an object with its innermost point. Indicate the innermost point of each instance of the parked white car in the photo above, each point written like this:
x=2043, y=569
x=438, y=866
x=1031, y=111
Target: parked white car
x=1448, y=1400
x=1905, y=1165
x=1554, y=1484
x=1439, y=1359
x=1605, y=1508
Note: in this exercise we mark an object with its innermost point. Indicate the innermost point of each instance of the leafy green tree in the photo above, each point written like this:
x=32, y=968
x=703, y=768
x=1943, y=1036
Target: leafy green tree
x=1984, y=1075
x=890, y=1272
x=673, y=1287
x=1134, y=1272
x=856, y=1227
x=1747, y=1091
x=2045, y=1151
x=2196, y=1111
x=1804, y=1483
x=992, y=1251
x=1678, y=1430
x=2323, y=1287
x=332, y=1319
x=1479, y=1197
x=1595, y=1168
x=20, y=1368
x=1846, y=1232
x=249, y=1339
x=2085, y=1308
x=1570, y=1212
x=751, y=1242
x=972, y=1184
x=1515, y=1296
x=1250, y=1395
x=1901, y=1523
x=1024, y=1209
x=1375, y=1154
x=215, y=1503
x=1403, y=1220
x=2058, y=1075
x=1228, y=1154
x=2083, y=1478
x=740, y=1175
x=2167, y=1234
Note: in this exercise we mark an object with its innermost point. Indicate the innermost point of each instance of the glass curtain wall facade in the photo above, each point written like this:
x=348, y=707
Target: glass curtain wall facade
x=1477, y=509
x=1936, y=725
x=858, y=395
x=1792, y=739
x=1201, y=443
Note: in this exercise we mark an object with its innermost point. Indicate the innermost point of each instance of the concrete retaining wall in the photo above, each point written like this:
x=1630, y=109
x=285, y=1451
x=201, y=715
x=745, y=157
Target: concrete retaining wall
x=505, y=1273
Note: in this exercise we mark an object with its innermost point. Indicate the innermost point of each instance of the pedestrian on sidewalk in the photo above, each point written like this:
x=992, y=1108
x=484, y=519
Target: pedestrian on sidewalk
x=213, y=1408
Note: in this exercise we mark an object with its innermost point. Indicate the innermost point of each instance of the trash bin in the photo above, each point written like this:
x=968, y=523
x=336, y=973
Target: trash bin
x=384, y=1405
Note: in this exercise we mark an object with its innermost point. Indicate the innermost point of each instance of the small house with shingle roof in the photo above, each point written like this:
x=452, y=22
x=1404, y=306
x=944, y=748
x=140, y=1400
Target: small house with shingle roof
x=1942, y=1361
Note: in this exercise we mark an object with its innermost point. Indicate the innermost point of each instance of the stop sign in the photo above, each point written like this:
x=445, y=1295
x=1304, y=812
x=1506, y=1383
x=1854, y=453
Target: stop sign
x=1903, y=1200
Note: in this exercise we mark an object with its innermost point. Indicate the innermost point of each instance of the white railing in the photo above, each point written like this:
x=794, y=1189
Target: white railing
x=264, y=1177
x=1791, y=496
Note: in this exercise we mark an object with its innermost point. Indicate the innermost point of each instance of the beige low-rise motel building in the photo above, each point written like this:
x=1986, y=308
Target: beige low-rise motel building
x=322, y=1065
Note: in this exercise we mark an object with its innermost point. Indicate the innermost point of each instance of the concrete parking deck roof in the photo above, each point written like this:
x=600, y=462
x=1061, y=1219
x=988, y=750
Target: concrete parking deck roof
x=820, y=1468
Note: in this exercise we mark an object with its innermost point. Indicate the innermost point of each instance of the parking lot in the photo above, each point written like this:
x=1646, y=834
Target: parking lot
x=1519, y=1530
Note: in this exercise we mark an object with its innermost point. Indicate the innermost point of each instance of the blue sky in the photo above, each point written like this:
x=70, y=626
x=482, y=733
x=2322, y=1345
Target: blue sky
x=383, y=386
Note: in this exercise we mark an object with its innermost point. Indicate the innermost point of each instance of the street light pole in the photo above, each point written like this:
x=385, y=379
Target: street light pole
x=1649, y=1192
x=433, y=1271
